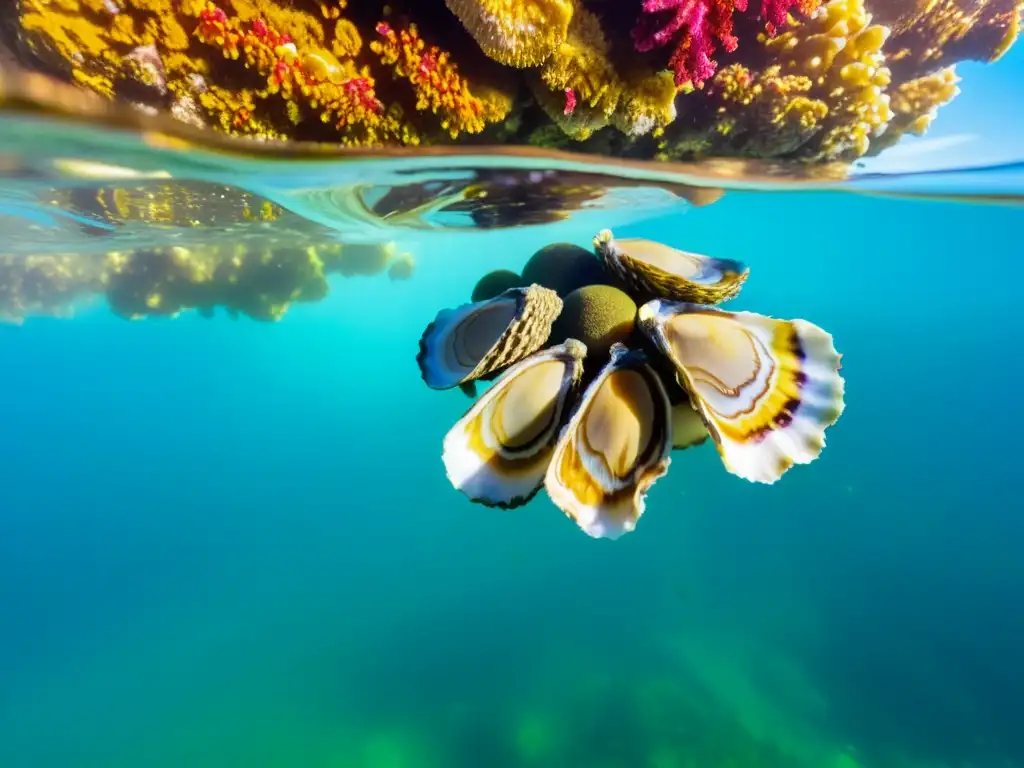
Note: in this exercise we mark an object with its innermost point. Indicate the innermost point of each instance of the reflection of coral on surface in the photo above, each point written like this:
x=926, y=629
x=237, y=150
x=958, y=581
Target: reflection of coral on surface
x=47, y=284
x=790, y=79
x=260, y=283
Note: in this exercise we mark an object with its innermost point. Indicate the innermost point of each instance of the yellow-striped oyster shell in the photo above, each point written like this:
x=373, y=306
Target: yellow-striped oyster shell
x=766, y=389
x=615, y=446
x=498, y=452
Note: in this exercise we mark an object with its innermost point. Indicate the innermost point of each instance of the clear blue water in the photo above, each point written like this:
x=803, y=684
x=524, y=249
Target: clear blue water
x=232, y=544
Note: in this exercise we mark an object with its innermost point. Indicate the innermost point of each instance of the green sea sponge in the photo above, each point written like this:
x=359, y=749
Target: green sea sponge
x=564, y=267
x=597, y=315
x=493, y=283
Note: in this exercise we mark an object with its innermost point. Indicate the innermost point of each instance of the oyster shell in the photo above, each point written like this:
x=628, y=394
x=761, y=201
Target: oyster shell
x=498, y=452
x=766, y=389
x=615, y=446
x=474, y=340
x=654, y=270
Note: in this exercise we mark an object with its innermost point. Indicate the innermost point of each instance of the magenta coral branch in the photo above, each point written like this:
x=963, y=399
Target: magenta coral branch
x=699, y=28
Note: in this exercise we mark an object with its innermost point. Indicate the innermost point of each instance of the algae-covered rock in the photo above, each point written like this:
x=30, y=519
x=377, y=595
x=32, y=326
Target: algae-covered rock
x=564, y=267
x=597, y=315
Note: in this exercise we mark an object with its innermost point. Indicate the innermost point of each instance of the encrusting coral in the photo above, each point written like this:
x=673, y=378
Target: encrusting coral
x=825, y=93
x=678, y=79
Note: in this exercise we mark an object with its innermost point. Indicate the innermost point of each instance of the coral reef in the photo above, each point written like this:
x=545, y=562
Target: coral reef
x=255, y=67
x=928, y=35
x=800, y=80
x=699, y=27
x=825, y=93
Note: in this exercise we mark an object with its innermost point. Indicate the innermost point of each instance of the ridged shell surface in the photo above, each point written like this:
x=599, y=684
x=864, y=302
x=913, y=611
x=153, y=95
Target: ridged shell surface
x=766, y=389
x=498, y=452
x=654, y=270
x=613, y=449
x=474, y=340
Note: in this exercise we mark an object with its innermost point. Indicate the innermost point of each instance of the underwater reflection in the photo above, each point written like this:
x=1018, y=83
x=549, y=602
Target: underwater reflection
x=256, y=281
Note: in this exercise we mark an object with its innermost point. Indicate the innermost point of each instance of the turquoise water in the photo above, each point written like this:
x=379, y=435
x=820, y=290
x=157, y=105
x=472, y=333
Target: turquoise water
x=233, y=544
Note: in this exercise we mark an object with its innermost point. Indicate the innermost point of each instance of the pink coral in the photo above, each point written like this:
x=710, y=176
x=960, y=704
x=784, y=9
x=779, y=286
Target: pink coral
x=699, y=27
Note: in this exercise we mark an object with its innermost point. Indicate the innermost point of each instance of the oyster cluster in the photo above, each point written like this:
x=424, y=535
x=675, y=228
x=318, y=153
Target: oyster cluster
x=604, y=363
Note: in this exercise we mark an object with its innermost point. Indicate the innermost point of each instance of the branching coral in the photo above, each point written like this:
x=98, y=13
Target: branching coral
x=315, y=80
x=915, y=105
x=699, y=28
x=582, y=69
x=788, y=79
x=823, y=98
x=258, y=68
x=437, y=83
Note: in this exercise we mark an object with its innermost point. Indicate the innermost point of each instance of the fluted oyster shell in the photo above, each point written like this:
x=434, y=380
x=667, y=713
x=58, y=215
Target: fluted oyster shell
x=477, y=339
x=654, y=270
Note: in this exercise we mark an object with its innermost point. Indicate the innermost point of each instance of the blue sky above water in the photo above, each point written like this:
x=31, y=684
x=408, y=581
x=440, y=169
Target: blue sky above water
x=981, y=126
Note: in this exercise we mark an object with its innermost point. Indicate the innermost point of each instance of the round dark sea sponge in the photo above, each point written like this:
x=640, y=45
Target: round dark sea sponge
x=564, y=267
x=597, y=315
x=493, y=283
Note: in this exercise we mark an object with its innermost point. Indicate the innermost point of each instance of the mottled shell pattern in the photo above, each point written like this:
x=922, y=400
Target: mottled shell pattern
x=654, y=270
x=766, y=389
x=615, y=446
x=497, y=454
x=474, y=340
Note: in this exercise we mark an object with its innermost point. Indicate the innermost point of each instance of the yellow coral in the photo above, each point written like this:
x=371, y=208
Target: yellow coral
x=931, y=34
x=294, y=68
x=517, y=33
x=647, y=104
x=841, y=51
x=437, y=83
x=581, y=66
x=915, y=104
x=823, y=98
x=581, y=63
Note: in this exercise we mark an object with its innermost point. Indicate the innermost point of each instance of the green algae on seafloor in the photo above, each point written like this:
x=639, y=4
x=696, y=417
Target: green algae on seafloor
x=536, y=740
